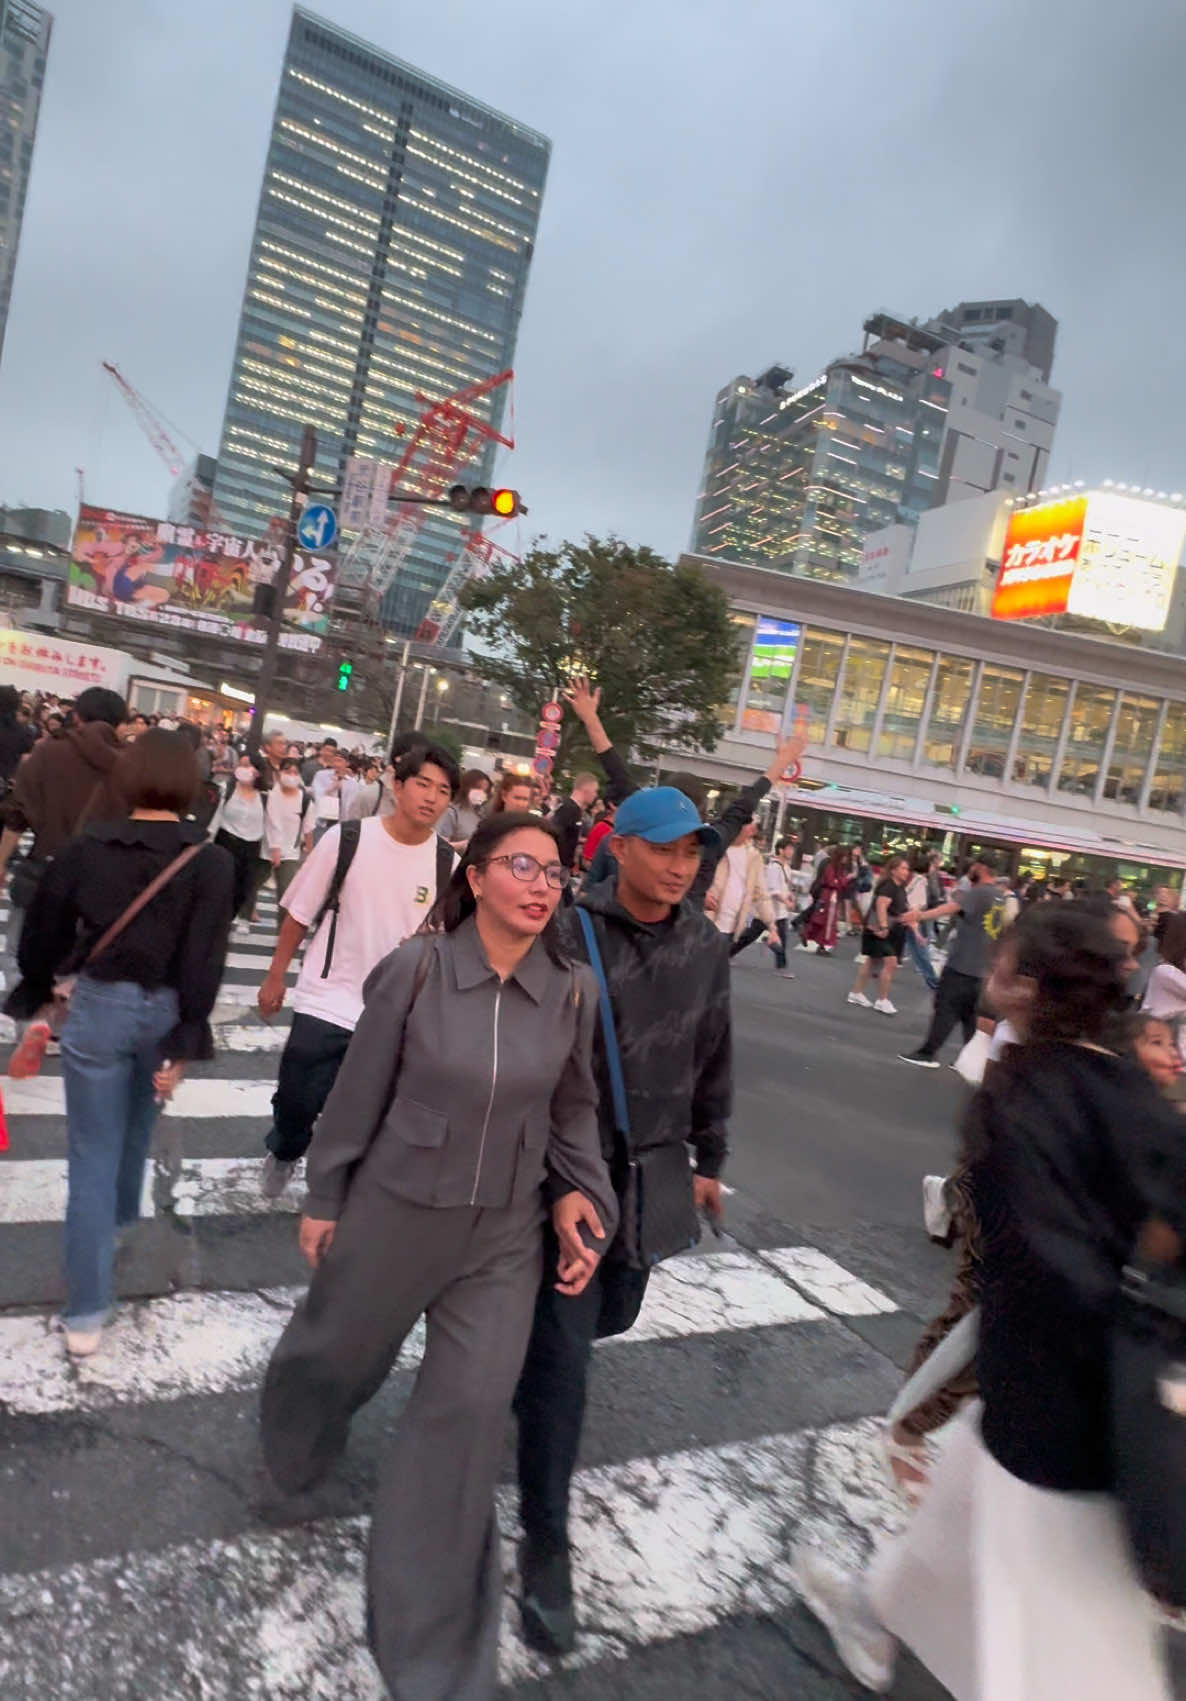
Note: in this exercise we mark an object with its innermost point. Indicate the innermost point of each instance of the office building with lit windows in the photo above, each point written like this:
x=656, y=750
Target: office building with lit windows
x=24, y=47
x=928, y=726
x=394, y=235
x=921, y=416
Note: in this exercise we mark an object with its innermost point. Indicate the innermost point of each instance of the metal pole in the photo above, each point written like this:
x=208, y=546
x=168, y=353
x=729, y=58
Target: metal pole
x=300, y=481
x=399, y=695
x=419, y=721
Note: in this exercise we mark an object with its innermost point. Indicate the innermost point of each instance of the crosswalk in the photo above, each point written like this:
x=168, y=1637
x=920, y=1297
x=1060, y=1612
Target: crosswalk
x=141, y=1549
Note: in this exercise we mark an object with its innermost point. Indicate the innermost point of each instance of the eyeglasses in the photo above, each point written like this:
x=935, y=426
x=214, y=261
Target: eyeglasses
x=525, y=867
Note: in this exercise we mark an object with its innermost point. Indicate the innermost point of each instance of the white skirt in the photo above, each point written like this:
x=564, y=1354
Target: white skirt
x=1008, y=1592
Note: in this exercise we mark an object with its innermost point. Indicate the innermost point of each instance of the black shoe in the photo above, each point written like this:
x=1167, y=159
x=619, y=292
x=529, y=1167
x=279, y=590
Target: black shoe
x=921, y=1058
x=549, y=1621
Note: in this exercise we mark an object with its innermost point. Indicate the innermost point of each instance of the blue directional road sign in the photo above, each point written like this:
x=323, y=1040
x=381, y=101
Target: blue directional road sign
x=318, y=527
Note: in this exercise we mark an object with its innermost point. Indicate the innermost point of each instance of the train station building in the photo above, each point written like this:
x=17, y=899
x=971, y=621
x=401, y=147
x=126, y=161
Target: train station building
x=931, y=725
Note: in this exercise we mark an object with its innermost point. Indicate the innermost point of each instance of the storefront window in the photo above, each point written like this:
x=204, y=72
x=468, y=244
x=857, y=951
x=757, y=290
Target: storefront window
x=818, y=672
x=1045, y=710
x=909, y=677
x=860, y=694
x=1091, y=716
x=1136, y=726
x=1169, y=770
x=949, y=708
x=776, y=644
x=743, y=626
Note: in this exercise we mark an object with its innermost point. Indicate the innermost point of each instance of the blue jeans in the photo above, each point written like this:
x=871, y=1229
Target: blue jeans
x=921, y=958
x=110, y=1050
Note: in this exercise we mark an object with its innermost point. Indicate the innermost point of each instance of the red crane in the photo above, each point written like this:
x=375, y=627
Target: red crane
x=448, y=436
x=148, y=419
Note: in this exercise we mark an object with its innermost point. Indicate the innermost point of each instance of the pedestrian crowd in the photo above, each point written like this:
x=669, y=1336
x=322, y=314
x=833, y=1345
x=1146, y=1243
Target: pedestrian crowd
x=508, y=1076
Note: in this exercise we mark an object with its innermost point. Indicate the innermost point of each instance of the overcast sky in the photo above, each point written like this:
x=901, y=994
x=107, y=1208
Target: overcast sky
x=730, y=185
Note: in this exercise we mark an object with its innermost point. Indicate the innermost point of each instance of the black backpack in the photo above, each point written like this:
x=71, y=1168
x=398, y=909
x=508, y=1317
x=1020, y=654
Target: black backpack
x=349, y=834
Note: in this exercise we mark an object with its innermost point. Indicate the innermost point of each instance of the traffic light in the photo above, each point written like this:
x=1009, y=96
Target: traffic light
x=345, y=669
x=481, y=500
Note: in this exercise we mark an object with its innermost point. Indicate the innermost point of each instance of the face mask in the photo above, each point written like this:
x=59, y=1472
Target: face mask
x=290, y=781
x=476, y=798
x=245, y=776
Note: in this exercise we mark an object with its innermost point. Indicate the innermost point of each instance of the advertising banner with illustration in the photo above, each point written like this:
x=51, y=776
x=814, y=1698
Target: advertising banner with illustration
x=160, y=574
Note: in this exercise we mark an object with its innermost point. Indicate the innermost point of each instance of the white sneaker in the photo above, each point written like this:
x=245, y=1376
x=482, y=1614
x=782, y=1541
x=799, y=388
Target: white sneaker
x=860, y=957
x=859, y=998
x=886, y=1008
x=81, y=1343
x=936, y=1213
x=835, y=1597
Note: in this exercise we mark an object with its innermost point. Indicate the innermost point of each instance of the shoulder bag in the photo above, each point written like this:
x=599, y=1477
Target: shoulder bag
x=659, y=1216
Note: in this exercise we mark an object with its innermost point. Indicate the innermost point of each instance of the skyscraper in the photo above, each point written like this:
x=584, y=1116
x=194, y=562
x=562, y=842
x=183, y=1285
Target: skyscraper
x=24, y=45
x=919, y=417
x=395, y=230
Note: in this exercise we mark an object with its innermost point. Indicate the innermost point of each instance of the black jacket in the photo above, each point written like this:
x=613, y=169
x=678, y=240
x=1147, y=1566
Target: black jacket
x=622, y=784
x=669, y=987
x=177, y=940
x=1072, y=1151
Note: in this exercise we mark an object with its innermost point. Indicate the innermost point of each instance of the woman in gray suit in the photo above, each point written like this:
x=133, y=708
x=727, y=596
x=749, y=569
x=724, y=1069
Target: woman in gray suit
x=466, y=1098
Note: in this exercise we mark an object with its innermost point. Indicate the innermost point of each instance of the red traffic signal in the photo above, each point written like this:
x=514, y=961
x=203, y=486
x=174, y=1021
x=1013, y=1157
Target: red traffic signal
x=481, y=500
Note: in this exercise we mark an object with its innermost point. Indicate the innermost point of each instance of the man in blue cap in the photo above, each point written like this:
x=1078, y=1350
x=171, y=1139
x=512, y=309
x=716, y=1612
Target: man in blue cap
x=666, y=971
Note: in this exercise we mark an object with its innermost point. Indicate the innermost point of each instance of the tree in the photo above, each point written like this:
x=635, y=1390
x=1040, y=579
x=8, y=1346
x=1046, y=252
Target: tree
x=656, y=638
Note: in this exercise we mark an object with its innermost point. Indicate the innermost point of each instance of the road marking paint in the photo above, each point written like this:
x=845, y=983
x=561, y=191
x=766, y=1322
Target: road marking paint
x=663, y=1547
x=34, y=1190
x=829, y=1283
x=216, y=1342
x=198, y=1095
x=258, y=1038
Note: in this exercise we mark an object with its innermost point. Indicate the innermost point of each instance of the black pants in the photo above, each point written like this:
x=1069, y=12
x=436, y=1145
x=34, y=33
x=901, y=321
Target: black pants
x=246, y=855
x=309, y=1067
x=550, y=1402
x=956, y=998
x=752, y=930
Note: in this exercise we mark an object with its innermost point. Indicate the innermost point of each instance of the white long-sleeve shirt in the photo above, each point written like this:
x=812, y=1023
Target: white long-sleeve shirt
x=1165, y=996
x=287, y=818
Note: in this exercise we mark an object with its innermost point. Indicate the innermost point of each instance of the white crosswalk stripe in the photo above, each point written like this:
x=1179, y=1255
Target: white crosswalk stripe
x=680, y=1535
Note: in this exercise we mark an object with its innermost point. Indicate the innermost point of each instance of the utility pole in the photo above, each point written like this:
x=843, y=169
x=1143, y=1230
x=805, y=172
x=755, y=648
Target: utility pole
x=302, y=488
x=399, y=696
x=419, y=722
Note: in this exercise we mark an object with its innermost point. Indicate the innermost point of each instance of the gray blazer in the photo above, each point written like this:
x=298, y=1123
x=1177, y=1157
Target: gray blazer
x=469, y=1091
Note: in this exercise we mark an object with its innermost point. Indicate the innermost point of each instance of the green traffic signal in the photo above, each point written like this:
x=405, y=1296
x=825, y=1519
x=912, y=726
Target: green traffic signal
x=345, y=669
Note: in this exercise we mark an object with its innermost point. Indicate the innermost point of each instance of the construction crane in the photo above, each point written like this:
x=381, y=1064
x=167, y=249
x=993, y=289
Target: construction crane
x=156, y=428
x=149, y=420
x=448, y=436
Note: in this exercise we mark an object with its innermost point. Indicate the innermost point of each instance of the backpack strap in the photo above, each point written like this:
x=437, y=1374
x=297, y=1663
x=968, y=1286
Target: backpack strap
x=349, y=833
x=609, y=1032
x=445, y=860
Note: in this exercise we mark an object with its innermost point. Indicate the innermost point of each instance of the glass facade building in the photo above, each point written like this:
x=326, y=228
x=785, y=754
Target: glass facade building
x=24, y=46
x=1055, y=736
x=395, y=230
x=800, y=477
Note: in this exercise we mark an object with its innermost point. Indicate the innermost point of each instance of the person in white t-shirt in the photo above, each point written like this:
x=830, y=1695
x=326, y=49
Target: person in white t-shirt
x=389, y=888
x=288, y=829
x=327, y=787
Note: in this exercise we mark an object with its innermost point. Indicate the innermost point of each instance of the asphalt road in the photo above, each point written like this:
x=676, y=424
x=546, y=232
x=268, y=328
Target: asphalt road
x=143, y=1553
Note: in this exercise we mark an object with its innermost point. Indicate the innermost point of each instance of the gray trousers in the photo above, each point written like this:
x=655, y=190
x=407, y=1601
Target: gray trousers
x=434, y=1576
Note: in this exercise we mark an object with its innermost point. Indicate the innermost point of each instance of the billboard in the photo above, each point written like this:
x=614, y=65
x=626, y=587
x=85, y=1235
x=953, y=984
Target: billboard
x=33, y=662
x=156, y=573
x=776, y=644
x=1103, y=556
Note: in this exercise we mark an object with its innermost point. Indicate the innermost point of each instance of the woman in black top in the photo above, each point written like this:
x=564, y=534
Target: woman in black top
x=139, y=1012
x=884, y=937
x=1015, y=1579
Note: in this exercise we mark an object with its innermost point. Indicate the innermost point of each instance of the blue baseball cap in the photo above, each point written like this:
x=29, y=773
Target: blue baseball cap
x=660, y=815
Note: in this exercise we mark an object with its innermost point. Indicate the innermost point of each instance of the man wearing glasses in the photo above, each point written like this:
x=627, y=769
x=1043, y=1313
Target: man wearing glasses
x=365, y=888
x=666, y=969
